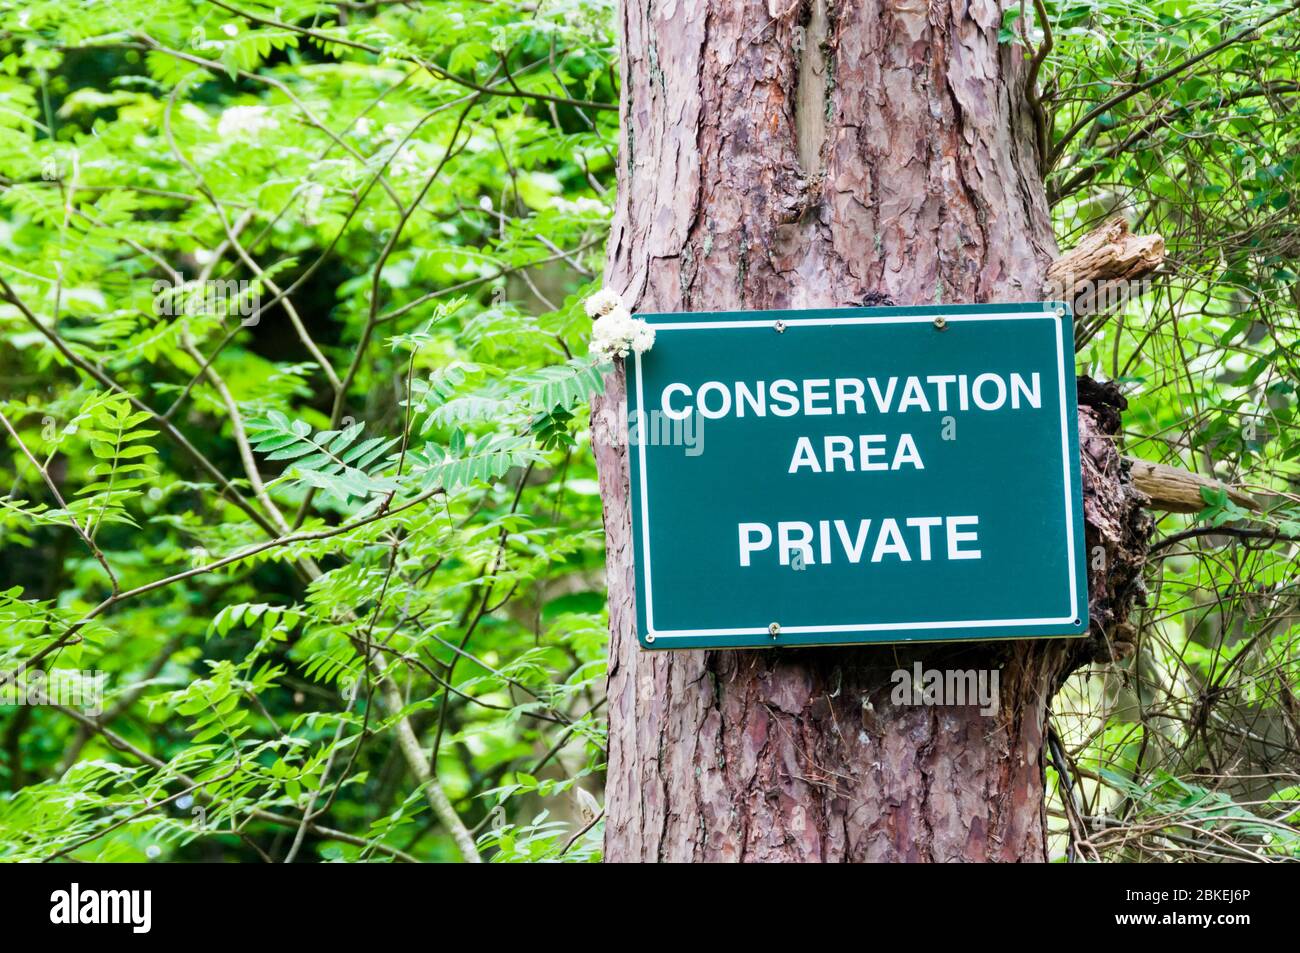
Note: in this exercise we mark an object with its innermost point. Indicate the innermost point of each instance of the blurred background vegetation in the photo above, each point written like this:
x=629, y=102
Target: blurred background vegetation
x=294, y=378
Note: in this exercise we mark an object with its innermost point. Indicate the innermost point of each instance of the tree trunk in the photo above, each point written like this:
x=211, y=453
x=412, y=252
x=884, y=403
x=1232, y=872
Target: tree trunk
x=813, y=154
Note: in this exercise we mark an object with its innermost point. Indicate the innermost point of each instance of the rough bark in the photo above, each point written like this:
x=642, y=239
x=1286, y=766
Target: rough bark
x=921, y=184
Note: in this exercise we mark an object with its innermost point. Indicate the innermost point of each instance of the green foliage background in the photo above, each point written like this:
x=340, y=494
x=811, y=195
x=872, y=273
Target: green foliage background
x=332, y=533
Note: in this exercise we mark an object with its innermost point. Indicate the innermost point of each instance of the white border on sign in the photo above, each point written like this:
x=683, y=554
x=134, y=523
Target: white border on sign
x=869, y=626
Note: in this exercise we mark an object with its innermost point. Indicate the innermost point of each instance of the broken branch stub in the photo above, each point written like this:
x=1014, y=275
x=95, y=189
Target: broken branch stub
x=1104, y=270
x=1179, y=491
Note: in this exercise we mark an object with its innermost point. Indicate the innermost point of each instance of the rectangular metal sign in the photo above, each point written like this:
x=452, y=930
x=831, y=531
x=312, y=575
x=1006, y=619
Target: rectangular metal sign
x=856, y=475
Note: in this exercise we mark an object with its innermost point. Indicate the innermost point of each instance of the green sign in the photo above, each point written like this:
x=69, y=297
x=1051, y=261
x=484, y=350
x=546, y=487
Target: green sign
x=856, y=475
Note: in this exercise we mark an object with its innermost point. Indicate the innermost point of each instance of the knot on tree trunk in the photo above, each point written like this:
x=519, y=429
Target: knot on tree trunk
x=1118, y=528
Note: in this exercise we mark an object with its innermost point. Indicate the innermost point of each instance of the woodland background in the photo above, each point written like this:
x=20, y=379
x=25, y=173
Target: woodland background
x=294, y=385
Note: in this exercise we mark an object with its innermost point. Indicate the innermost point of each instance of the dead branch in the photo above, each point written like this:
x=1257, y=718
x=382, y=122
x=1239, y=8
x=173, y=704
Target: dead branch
x=1179, y=491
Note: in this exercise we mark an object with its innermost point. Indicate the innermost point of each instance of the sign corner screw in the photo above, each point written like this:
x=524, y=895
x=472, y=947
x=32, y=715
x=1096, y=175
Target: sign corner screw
x=1060, y=310
x=649, y=638
x=779, y=327
x=940, y=322
x=774, y=629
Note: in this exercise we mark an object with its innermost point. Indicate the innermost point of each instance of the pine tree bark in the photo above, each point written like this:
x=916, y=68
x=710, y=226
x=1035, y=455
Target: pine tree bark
x=811, y=154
